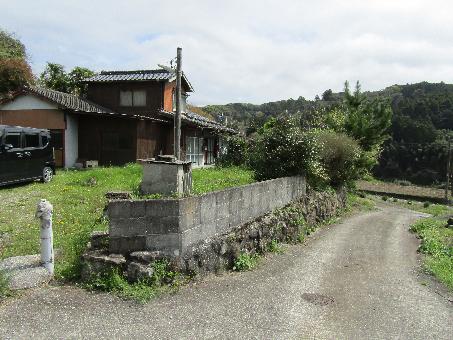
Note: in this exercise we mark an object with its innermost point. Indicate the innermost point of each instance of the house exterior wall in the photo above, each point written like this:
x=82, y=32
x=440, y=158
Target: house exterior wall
x=152, y=139
x=109, y=140
x=168, y=96
x=71, y=141
x=28, y=102
x=108, y=95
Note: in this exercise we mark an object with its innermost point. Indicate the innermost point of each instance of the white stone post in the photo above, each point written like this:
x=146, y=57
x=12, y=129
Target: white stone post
x=44, y=213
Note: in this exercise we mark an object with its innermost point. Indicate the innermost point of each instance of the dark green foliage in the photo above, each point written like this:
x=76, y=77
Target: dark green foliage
x=282, y=149
x=55, y=77
x=15, y=71
x=367, y=121
x=235, y=152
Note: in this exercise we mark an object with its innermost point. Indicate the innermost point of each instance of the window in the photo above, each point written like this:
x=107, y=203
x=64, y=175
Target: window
x=194, y=152
x=44, y=141
x=31, y=140
x=13, y=138
x=133, y=98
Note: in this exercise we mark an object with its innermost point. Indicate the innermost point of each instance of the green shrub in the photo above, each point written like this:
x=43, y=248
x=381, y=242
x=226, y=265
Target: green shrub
x=281, y=149
x=340, y=155
x=426, y=204
x=385, y=198
x=245, y=261
x=235, y=152
x=275, y=247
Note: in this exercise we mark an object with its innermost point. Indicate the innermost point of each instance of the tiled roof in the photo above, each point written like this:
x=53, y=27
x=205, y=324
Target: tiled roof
x=140, y=75
x=198, y=120
x=77, y=104
x=69, y=101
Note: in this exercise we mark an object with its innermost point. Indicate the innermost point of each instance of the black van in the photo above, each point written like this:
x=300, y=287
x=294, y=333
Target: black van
x=25, y=155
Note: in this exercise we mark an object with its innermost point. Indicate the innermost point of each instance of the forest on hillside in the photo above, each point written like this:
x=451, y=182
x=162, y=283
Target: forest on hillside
x=417, y=147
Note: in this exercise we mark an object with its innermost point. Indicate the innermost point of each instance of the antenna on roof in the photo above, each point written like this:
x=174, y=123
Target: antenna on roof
x=167, y=68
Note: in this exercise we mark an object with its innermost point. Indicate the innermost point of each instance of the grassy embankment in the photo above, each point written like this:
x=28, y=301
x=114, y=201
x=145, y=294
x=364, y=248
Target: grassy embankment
x=78, y=200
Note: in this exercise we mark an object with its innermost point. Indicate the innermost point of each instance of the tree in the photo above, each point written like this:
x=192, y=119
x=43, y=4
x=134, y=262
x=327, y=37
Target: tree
x=367, y=121
x=11, y=46
x=55, y=77
x=15, y=71
x=76, y=76
x=327, y=95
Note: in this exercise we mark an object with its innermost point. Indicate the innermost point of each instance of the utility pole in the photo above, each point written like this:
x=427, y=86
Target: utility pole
x=447, y=184
x=177, y=141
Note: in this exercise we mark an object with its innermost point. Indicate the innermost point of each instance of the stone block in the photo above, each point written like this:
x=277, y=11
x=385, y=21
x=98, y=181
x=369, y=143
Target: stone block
x=146, y=256
x=167, y=243
x=189, y=220
x=222, y=211
x=207, y=208
x=162, y=208
x=128, y=227
x=137, y=208
x=118, y=209
x=99, y=239
x=188, y=205
x=221, y=197
x=191, y=236
x=139, y=272
x=126, y=245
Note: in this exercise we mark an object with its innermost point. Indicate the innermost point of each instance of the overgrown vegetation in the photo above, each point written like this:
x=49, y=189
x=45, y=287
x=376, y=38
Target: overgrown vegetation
x=246, y=261
x=330, y=146
x=437, y=245
x=78, y=200
x=163, y=279
x=421, y=124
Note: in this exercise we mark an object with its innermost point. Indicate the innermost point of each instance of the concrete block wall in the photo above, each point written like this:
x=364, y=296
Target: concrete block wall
x=173, y=225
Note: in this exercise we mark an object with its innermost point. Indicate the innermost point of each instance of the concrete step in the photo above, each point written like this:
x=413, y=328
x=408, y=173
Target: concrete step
x=25, y=271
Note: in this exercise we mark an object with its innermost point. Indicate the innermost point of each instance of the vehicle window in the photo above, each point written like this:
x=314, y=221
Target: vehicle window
x=13, y=138
x=31, y=140
x=44, y=141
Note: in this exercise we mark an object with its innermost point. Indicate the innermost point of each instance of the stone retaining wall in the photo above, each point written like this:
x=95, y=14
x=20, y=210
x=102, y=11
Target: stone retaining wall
x=171, y=226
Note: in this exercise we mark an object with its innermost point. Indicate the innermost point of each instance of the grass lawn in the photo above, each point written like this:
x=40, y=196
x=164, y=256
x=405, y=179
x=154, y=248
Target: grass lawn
x=78, y=200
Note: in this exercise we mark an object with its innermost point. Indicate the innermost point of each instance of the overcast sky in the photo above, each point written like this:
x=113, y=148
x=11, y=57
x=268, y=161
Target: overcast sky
x=245, y=51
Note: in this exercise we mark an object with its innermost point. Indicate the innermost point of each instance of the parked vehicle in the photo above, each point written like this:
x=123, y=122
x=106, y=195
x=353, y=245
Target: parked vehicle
x=25, y=155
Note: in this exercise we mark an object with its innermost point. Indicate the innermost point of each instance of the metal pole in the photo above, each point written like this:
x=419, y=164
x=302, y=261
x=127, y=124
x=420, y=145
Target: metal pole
x=44, y=213
x=177, y=146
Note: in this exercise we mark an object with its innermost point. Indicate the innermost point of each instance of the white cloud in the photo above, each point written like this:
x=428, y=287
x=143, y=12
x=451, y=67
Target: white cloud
x=245, y=51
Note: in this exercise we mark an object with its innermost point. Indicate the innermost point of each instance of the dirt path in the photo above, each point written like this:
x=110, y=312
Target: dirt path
x=355, y=280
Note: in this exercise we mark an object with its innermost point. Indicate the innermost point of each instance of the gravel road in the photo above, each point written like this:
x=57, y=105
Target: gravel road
x=359, y=279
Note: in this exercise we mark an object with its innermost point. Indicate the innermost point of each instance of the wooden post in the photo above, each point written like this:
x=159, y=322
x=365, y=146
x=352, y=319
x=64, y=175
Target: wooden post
x=177, y=141
x=447, y=184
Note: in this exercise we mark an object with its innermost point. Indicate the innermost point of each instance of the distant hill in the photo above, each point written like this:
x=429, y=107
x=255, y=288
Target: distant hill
x=423, y=117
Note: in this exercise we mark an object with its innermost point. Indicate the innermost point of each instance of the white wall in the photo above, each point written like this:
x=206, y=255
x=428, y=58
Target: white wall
x=28, y=102
x=71, y=142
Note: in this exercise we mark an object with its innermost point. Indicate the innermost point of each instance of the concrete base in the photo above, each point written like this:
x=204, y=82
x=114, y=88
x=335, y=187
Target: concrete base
x=25, y=271
x=166, y=177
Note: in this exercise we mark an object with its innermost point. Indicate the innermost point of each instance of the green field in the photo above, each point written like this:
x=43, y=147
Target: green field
x=78, y=200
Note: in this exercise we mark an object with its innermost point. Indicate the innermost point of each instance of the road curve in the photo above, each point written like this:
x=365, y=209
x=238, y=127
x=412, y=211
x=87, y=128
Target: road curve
x=359, y=279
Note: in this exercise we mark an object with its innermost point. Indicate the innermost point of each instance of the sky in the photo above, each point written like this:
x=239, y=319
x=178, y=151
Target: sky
x=245, y=51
